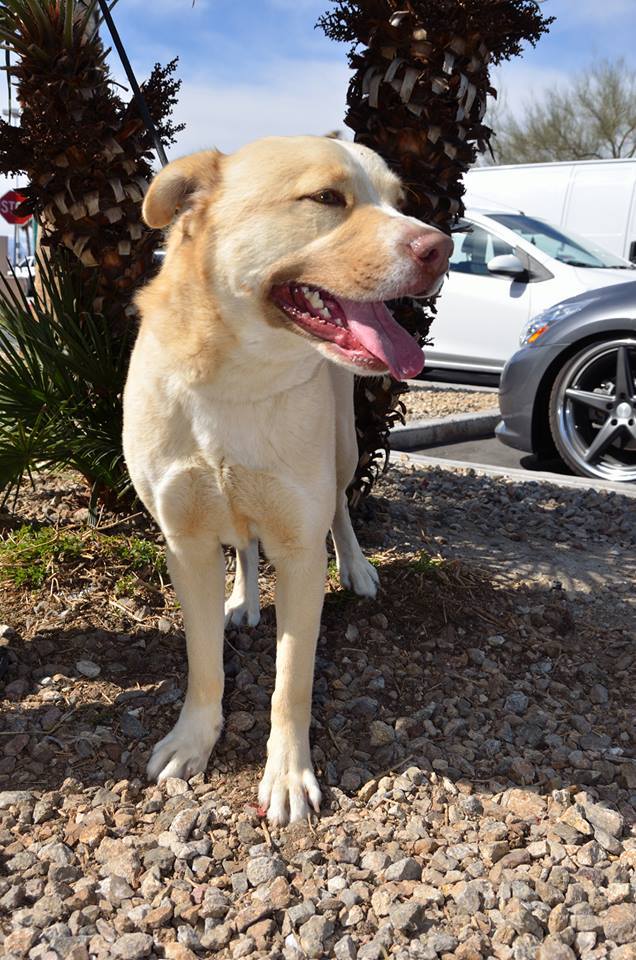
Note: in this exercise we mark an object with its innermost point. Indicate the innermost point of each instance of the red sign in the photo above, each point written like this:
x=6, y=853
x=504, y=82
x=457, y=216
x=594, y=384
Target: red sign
x=8, y=206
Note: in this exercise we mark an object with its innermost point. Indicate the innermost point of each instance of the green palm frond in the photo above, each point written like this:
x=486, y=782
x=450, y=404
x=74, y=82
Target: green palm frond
x=62, y=373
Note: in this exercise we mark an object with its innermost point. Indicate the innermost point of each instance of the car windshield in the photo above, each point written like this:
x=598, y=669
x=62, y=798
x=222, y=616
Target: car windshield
x=567, y=248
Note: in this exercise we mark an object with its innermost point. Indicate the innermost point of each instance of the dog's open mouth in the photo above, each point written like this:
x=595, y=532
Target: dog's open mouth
x=363, y=333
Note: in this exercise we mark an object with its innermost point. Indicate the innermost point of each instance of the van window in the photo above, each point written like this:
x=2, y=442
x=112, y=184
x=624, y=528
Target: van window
x=474, y=250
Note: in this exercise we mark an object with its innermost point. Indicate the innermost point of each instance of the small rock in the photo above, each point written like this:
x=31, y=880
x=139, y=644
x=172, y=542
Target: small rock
x=408, y=918
x=20, y=941
x=264, y=870
x=178, y=951
x=183, y=824
x=441, y=942
x=131, y=726
x=554, y=949
x=511, y=860
x=132, y=946
x=240, y=721
x=574, y=816
x=405, y=869
x=301, y=912
x=88, y=668
x=14, y=798
x=345, y=949
x=380, y=733
x=619, y=923
x=314, y=934
x=158, y=917
x=175, y=787
x=243, y=947
x=470, y=900
x=217, y=938
x=603, y=818
x=250, y=915
x=215, y=904
x=516, y=702
x=599, y=694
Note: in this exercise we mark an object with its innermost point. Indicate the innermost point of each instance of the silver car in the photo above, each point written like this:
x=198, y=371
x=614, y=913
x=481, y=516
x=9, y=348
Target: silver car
x=571, y=389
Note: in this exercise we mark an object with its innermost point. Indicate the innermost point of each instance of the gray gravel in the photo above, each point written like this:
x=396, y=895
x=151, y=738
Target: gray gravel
x=473, y=729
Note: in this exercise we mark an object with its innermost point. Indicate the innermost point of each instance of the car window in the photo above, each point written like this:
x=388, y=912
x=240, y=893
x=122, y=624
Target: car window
x=564, y=247
x=473, y=251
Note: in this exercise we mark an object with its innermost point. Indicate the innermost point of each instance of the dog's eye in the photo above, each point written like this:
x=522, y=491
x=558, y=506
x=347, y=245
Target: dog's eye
x=331, y=198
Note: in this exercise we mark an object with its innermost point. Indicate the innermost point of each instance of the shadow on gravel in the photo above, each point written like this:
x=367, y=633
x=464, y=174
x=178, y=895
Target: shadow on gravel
x=482, y=682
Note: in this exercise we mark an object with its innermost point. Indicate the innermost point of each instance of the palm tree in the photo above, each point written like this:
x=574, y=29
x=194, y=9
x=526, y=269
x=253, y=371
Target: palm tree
x=418, y=96
x=86, y=152
x=87, y=156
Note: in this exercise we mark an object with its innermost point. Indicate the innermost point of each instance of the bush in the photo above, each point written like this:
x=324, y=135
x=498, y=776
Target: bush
x=62, y=374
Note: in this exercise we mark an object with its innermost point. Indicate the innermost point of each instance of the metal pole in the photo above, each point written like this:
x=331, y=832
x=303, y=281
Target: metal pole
x=139, y=97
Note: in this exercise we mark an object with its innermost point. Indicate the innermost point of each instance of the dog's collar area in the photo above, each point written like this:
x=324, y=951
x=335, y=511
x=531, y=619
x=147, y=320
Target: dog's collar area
x=362, y=334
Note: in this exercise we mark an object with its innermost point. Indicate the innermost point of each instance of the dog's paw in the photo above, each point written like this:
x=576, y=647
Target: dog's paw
x=357, y=574
x=187, y=748
x=288, y=789
x=239, y=610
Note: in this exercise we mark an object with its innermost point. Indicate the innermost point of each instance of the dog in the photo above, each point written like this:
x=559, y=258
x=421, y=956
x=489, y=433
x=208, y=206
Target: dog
x=238, y=407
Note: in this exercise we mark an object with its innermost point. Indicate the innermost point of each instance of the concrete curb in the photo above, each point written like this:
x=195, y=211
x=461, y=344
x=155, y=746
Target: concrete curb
x=462, y=426
x=516, y=473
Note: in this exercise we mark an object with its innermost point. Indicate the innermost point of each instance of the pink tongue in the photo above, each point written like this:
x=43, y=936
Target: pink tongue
x=375, y=328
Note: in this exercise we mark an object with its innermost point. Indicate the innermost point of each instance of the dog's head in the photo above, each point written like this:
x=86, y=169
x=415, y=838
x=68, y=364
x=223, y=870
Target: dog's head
x=310, y=229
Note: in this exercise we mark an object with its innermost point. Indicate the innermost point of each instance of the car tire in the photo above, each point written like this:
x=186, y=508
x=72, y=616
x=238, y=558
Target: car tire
x=592, y=410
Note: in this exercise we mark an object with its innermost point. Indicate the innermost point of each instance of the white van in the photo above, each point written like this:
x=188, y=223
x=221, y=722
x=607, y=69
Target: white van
x=595, y=199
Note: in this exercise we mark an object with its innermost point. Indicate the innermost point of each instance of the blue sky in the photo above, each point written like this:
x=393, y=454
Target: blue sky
x=258, y=66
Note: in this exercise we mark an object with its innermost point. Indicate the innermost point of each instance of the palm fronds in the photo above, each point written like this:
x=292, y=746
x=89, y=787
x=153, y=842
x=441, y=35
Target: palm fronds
x=62, y=374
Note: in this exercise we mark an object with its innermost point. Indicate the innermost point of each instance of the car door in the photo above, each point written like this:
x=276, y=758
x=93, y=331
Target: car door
x=480, y=314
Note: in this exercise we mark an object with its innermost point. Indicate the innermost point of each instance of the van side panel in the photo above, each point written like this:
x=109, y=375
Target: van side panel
x=630, y=238
x=539, y=190
x=600, y=203
x=594, y=198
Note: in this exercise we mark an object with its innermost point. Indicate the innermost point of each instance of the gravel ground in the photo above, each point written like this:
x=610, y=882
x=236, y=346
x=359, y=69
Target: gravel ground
x=431, y=403
x=473, y=730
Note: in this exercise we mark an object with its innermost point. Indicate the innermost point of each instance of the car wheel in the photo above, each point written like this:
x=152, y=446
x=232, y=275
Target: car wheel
x=593, y=411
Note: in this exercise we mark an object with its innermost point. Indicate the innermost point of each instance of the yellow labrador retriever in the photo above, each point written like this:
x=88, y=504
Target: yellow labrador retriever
x=238, y=422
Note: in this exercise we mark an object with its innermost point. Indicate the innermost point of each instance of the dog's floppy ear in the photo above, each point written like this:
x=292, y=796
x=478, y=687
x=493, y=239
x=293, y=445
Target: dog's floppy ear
x=172, y=187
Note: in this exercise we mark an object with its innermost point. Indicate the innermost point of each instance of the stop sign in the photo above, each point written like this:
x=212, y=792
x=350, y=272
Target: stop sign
x=8, y=205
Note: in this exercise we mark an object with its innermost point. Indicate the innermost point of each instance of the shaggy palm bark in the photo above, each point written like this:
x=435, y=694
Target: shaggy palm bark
x=418, y=97
x=85, y=151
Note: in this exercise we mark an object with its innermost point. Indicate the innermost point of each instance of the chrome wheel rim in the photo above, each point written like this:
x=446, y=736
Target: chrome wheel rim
x=596, y=411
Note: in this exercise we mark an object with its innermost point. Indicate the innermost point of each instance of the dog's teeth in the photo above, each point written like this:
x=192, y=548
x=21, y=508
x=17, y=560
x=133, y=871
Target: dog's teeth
x=325, y=313
x=313, y=297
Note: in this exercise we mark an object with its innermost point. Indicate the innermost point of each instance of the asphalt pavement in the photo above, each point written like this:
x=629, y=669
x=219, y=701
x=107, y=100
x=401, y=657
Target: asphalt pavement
x=491, y=452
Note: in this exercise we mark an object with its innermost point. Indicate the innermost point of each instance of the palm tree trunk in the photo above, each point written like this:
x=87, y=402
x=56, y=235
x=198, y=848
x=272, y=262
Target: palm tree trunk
x=418, y=97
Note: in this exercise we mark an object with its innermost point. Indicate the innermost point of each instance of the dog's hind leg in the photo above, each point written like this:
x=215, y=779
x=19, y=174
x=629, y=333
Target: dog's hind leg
x=197, y=570
x=243, y=605
x=356, y=573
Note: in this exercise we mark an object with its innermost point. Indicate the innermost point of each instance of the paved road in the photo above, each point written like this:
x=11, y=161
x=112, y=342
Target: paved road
x=491, y=452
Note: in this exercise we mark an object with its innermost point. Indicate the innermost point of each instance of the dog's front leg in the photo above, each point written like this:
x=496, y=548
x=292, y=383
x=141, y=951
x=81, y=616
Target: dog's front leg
x=289, y=782
x=197, y=570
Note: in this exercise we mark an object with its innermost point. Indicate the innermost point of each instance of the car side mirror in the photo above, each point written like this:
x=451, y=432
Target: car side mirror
x=508, y=265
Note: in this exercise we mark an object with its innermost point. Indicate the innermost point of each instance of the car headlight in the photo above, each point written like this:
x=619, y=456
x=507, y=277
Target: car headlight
x=537, y=326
